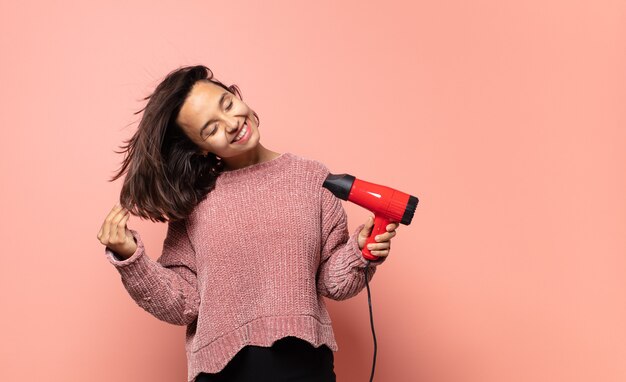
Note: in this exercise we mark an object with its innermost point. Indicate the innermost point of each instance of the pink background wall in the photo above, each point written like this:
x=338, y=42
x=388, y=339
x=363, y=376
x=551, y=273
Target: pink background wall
x=506, y=119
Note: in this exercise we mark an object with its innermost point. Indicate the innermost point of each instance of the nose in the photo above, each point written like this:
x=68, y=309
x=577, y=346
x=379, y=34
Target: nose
x=232, y=126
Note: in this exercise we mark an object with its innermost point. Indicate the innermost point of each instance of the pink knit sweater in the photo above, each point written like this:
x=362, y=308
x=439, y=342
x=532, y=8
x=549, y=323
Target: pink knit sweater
x=251, y=263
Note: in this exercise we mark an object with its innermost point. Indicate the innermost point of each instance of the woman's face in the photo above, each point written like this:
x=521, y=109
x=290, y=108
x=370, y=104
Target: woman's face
x=212, y=117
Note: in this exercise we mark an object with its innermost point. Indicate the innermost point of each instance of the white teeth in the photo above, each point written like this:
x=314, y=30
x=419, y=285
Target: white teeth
x=242, y=132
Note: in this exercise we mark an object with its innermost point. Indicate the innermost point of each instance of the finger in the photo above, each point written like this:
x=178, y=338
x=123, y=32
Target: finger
x=383, y=250
x=121, y=226
x=111, y=222
x=367, y=229
x=104, y=230
x=380, y=253
x=379, y=246
x=114, y=227
x=392, y=226
x=385, y=236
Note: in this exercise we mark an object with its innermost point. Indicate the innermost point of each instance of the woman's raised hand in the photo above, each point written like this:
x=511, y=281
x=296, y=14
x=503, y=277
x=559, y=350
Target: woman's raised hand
x=114, y=233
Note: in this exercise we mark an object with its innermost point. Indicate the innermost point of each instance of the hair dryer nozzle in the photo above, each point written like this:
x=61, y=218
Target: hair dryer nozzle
x=410, y=210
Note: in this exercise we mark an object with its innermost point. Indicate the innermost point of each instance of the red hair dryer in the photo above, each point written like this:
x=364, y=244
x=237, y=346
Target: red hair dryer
x=387, y=204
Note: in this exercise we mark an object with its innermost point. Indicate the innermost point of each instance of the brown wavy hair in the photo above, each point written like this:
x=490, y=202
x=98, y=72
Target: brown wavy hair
x=166, y=174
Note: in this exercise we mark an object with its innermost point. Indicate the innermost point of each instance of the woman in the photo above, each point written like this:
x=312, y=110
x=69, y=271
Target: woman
x=253, y=241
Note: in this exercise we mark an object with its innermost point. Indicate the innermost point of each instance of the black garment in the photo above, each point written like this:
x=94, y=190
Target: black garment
x=289, y=359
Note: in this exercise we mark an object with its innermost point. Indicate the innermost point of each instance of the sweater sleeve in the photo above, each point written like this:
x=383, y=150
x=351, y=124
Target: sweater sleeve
x=341, y=271
x=167, y=287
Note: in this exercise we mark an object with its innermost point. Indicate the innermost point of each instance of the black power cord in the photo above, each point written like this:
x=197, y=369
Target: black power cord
x=369, y=302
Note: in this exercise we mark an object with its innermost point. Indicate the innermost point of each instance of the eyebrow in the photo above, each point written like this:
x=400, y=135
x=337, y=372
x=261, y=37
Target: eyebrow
x=221, y=101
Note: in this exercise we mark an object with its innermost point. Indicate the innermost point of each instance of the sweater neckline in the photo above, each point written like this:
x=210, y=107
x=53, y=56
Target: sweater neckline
x=228, y=176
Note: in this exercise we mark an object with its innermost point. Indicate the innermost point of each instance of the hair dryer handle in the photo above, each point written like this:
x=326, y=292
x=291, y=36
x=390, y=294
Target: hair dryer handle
x=380, y=226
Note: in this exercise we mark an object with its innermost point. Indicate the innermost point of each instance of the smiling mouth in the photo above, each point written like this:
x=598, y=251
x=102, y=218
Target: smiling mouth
x=244, y=124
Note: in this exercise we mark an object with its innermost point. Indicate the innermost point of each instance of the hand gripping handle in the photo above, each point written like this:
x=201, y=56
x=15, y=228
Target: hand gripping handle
x=380, y=227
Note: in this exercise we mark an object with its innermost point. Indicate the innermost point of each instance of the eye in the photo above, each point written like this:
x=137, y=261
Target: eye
x=214, y=130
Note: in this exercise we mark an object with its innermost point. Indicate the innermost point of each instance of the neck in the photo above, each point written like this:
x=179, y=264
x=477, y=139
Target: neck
x=254, y=156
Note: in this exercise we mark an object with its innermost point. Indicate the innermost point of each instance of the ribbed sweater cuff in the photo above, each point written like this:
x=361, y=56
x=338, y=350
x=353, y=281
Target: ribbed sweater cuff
x=136, y=265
